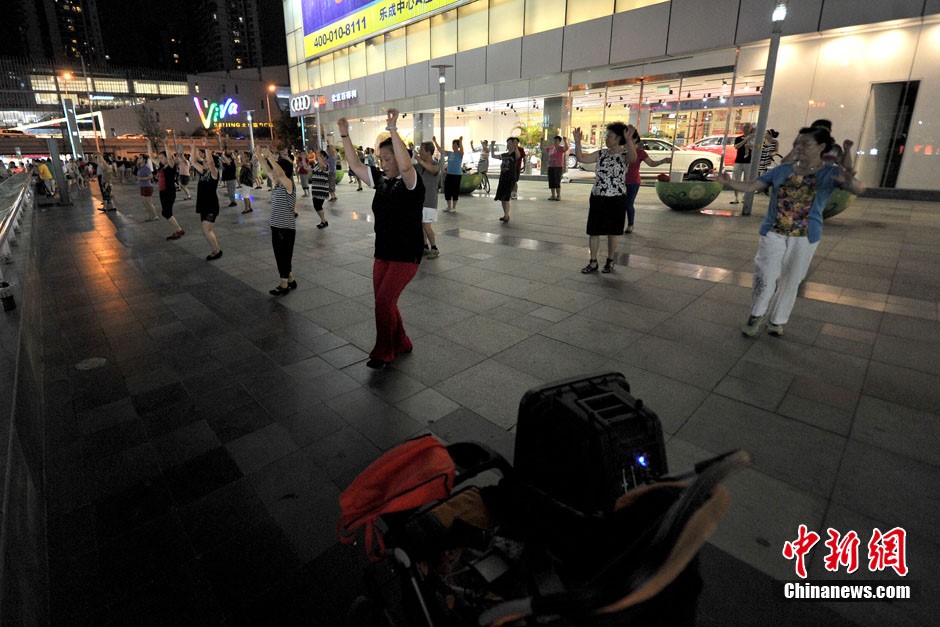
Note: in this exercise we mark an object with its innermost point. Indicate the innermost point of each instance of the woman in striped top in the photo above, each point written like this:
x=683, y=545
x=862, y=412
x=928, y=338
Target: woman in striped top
x=283, y=221
x=320, y=185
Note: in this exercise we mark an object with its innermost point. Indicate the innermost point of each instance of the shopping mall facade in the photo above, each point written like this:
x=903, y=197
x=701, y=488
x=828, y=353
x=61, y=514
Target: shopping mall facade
x=679, y=70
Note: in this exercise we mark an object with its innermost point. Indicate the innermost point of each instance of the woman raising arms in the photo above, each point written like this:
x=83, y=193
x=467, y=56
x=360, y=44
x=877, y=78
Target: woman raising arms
x=792, y=228
x=399, y=237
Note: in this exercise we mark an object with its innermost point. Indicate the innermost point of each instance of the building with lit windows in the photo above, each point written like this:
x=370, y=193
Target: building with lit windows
x=680, y=70
x=62, y=30
x=232, y=34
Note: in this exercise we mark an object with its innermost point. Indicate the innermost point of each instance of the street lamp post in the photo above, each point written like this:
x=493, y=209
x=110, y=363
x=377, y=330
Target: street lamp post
x=94, y=123
x=251, y=131
x=316, y=111
x=442, y=81
x=271, y=89
x=777, y=18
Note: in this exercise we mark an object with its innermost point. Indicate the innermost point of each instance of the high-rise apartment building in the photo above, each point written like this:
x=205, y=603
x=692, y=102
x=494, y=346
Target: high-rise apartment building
x=231, y=35
x=62, y=30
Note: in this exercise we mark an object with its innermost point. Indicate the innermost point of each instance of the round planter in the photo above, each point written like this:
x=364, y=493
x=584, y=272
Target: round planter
x=687, y=195
x=469, y=182
x=839, y=201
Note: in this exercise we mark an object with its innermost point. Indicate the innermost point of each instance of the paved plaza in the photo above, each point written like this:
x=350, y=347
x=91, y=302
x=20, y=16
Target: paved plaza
x=194, y=478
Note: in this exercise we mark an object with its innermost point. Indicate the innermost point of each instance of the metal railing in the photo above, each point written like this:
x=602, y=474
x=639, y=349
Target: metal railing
x=15, y=194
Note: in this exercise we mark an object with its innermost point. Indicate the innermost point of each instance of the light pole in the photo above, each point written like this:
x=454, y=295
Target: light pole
x=271, y=89
x=442, y=81
x=94, y=124
x=777, y=18
x=316, y=112
x=251, y=131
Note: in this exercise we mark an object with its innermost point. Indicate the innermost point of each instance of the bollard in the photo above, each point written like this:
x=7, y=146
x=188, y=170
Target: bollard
x=6, y=296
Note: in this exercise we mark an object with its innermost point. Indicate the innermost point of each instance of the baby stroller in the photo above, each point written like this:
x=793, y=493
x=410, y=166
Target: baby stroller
x=503, y=548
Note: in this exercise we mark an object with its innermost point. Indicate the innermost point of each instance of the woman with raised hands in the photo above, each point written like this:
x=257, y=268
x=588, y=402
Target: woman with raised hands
x=399, y=236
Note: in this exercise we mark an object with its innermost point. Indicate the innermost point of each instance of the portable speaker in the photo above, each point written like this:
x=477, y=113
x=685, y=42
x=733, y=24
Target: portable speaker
x=588, y=441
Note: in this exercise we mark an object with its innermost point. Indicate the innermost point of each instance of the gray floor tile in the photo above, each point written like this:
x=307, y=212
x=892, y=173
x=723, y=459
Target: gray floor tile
x=548, y=360
x=259, y=448
x=593, y=335
x=916, y=354
x=438, y=358
x=676, y=361
x=483, y=334
x=490, y=389
x=899, y=429
x=816, y=413
x=776, y=443
x=626, y=315
x=903, y=386
x=427, y=406
x=908, y=491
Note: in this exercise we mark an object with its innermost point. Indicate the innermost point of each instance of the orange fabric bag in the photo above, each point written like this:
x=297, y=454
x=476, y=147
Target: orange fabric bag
x=414, y=473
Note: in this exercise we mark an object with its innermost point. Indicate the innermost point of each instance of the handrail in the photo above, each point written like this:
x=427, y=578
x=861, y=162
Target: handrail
x=14, y=192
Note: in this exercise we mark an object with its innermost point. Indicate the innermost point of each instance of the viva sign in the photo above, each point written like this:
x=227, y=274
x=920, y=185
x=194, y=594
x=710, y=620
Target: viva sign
x=214, y=112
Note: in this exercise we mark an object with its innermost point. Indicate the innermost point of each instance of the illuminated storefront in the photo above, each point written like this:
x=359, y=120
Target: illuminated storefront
x=678, y=69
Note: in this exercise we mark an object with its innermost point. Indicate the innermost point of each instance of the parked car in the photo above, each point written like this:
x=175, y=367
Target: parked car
x=11, y=132
x=684, y=161
x=713, y=143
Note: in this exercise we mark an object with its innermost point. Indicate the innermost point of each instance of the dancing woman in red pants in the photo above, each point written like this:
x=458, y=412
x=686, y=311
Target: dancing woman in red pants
x=399, y=237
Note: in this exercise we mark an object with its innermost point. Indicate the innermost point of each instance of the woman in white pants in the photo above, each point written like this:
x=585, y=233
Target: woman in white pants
x=792, y=228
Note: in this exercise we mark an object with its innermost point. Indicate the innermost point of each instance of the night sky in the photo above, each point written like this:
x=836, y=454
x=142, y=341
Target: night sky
x=137, y=34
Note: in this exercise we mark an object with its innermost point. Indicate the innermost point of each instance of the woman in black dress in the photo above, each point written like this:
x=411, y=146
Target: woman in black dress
x=207, y=200
x=508, y=175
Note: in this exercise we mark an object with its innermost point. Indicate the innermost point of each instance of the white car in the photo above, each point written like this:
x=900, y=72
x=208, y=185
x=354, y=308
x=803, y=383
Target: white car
x=684, y=161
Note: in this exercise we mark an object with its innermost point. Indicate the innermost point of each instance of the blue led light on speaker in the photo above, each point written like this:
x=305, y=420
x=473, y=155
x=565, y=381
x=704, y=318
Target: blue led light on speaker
x=642, y=461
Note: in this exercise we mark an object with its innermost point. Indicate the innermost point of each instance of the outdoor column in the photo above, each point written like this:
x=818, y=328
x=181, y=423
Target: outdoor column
x=554, y=119
x=424, y=128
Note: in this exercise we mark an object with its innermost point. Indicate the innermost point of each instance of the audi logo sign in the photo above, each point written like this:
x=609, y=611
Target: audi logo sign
x=300, y=103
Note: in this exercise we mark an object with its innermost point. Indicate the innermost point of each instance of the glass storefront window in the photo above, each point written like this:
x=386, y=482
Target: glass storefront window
x=584, y=10
x=473, y=20
x=506, y=19
x=313, y=74
x=326, y=69
x=443, y=34
x=395, y=49
x=543, y=15
x=375, y=55
x=629, y=5
x=357, y=60
x=341, y=65
x=419, y=42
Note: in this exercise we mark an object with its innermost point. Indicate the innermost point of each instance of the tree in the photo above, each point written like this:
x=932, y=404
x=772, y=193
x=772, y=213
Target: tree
x=286, y=129
x=148, y=121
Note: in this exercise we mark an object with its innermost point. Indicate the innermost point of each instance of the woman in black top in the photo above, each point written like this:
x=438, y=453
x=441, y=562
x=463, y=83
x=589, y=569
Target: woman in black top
x=228, y=177
x=166, y=176
x=207, y=201
x=399, y=237
x=508, y=176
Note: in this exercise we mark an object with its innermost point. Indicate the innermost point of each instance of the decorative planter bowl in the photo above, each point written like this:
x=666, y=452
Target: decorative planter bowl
x=839, y=201
x=688, y=195
x=469, y=182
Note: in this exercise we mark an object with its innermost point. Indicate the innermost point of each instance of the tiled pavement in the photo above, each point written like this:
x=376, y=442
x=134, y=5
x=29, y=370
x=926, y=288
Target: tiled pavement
x=194, y=478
